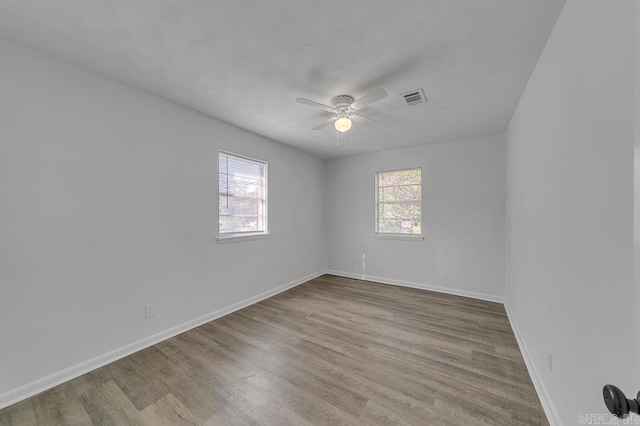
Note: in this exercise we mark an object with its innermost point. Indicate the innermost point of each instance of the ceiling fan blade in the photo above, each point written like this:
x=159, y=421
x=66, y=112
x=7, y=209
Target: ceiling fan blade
x=369, y=122
x=323, y=125
x=369, y=98
x=314, y=104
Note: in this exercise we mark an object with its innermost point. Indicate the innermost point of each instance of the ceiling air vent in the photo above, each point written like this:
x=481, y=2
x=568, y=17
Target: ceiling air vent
x=414, y=97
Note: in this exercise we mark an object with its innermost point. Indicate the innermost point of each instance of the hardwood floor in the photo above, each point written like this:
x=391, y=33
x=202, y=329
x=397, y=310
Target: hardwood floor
x=332, y=351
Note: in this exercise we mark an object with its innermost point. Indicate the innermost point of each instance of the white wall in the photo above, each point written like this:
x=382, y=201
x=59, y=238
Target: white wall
x=636, y=186
x=463, y=217
x=570, y=212
x=108, y=201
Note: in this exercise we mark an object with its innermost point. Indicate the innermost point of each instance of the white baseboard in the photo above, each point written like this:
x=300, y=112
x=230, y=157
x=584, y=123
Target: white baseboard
x=40, y=385
x=421, y=286
x=543, y=395
x=541, y=390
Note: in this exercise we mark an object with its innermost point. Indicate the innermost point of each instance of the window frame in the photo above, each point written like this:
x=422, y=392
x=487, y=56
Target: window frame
x=396, y=235
x=228, y=237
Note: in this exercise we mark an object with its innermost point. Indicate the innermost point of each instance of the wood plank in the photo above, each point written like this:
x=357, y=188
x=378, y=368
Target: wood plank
x=108, y=405
x=60, y=406
x=334, y=351
x=18, y=414
x=168, y=411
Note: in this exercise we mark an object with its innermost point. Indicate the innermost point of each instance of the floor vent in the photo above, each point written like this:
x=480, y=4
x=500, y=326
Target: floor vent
x=414, y=97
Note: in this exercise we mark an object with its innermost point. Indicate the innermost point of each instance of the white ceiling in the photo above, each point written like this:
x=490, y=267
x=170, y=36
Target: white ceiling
x=246, y=61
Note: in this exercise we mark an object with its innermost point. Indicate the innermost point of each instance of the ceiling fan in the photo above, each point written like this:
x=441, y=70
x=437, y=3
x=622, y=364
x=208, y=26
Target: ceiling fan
x=344, y=110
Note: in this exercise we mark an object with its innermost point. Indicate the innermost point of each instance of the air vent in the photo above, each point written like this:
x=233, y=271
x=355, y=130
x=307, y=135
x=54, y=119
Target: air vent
x=414, y=97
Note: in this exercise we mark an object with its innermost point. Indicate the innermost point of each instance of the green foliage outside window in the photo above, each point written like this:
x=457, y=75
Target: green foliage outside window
x=399, y=202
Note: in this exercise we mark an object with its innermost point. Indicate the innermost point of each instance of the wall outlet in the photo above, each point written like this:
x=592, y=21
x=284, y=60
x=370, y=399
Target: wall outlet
x=149, y=311
x=550, y=361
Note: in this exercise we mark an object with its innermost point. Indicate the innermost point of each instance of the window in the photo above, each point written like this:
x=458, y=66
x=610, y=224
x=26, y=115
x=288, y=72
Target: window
x=242, y=189
x=399, y=202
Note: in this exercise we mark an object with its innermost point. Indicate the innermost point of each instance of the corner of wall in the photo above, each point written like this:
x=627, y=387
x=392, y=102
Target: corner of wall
x=545, y=399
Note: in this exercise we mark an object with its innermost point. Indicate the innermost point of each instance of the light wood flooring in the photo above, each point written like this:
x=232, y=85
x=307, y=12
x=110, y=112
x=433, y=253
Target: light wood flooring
x=332, y=351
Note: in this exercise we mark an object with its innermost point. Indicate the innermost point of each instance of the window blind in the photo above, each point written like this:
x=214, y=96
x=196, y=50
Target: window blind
x=242, y=195
x=399, y=202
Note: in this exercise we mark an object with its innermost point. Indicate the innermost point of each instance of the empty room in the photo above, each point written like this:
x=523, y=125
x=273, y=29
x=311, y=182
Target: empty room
x=419, y=212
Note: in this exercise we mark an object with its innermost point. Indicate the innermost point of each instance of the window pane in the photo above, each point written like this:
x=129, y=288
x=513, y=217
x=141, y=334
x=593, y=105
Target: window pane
x=399, y=211
x=401, y=177
x=242, y=190
x=240, y=224
x=400, y=193
x=399, y=226
x=238, y=187
x=235, y=206
x=399, y=201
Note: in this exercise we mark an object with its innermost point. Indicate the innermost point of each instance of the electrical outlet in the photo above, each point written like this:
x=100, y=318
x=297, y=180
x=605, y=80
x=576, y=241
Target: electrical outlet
x=550, y=361
x=149, y=311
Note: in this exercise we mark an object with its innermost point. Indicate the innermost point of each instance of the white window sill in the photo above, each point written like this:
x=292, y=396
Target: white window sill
x=241, y=237
x=399, y=237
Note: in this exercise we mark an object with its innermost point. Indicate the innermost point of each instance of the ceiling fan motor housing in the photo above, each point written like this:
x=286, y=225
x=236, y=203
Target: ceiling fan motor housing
x=345, y=109
x=342, y=102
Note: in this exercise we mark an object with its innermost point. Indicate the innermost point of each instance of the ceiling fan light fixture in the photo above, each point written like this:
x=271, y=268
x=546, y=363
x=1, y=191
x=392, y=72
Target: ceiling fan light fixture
x=343, y=124
x=343, y=107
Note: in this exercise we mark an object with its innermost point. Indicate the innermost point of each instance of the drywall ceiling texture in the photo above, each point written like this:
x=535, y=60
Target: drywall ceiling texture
x=246, y=62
